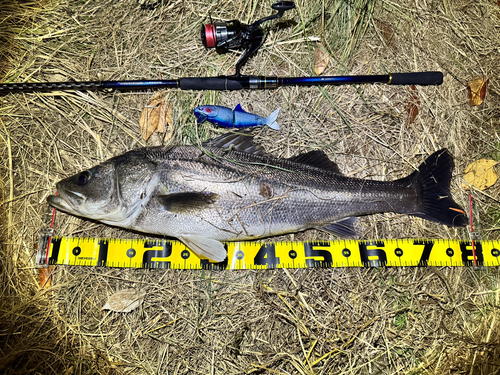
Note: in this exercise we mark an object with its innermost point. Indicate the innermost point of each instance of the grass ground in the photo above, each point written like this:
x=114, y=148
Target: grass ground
x=311, y=321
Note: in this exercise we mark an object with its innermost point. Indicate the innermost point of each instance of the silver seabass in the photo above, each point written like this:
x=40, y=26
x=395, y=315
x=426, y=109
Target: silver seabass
x=230, y=190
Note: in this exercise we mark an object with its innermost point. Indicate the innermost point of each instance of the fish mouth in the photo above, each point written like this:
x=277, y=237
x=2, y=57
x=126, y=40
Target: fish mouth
x=66, y=200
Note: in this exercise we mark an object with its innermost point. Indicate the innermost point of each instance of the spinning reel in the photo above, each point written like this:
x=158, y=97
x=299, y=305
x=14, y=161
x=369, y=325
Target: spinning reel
x=234, y=35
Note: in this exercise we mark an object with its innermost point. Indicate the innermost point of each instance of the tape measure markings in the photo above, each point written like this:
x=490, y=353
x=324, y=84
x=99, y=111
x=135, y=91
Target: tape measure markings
x=167, y=254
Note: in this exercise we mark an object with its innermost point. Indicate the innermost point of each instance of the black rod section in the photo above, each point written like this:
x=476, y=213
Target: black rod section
x=6, y=88
x=140, y=85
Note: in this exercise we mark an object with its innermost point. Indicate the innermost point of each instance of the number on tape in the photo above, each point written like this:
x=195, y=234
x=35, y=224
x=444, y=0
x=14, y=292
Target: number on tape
x=256, y=255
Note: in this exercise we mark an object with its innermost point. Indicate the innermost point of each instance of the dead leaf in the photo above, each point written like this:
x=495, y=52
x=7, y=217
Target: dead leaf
x=321, y=59
x=413, y=104
x=156, y=117
x=125, y=300
x=149, y=118
x=476, y=90
x=480, y=174
x=45, y=276
x=165, y=119
x=387, y=33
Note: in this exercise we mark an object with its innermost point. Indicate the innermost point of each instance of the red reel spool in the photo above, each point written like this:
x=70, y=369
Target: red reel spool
x=208, y=36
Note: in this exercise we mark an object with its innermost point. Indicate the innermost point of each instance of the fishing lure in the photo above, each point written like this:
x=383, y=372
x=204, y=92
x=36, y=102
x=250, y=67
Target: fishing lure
x=237, y=118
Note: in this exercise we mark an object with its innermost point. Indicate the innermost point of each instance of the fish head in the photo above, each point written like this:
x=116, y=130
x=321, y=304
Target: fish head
x=205, y=112
x=113, y=192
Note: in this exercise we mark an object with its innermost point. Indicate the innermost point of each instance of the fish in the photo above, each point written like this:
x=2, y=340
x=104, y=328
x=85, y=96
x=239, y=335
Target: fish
x=237, y=118
x=230, y=190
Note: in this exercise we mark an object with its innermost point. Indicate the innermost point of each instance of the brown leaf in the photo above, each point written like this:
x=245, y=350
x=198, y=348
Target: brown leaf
x=125, y=300
x=321, y=60
x=480, y=174
x=150, y=117
x=476, y=90
x=387, y=33
x=413, y=104
x=165, y=119
x=45, y=276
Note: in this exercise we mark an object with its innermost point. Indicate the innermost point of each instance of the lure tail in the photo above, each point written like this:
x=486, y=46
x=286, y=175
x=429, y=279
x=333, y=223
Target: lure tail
x=271, y=120
x=432, y=181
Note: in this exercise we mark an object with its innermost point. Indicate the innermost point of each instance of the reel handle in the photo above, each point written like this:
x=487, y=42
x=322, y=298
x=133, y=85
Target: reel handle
x=280, y=6
x=283, y=6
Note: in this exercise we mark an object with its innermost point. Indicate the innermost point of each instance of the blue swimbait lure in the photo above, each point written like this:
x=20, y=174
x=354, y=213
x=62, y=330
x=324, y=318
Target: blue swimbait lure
x=237, y=118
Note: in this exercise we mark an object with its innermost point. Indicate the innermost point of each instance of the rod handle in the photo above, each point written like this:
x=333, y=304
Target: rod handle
x=211, y=83
x=421, y=78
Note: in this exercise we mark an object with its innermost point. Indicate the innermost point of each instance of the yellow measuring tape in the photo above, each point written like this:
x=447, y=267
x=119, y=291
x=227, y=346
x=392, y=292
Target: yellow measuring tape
x=147, y=253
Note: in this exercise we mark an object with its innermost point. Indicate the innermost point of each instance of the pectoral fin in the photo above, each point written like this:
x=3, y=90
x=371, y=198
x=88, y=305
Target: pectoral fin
x=188, y=201
x=212, y=249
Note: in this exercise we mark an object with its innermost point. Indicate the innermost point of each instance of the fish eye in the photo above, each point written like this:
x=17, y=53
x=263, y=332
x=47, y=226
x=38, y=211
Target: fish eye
x=84, y=177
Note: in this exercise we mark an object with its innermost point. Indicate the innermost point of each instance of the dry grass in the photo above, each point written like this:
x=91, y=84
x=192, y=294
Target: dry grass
x=342, y=321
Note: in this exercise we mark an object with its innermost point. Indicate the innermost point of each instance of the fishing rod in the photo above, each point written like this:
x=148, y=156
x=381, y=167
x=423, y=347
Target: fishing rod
x=224, y=36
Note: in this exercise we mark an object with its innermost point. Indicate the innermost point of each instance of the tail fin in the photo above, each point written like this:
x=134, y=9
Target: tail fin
x=271, y=120
x=433, y=183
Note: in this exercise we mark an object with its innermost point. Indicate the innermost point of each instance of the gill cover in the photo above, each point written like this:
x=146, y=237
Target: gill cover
x=112, y=192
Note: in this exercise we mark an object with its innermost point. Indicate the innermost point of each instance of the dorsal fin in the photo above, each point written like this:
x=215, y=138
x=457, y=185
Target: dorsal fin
x=316, y=159
x=237, y=141
x=238, y=108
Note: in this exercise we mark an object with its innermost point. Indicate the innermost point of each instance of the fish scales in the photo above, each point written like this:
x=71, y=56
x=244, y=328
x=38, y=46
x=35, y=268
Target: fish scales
x=203, y=196
x=302, y=196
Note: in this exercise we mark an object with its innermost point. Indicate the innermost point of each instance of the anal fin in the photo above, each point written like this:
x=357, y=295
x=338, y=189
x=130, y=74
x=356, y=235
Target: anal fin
x=344, y=228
